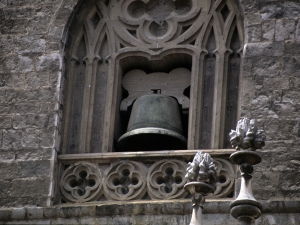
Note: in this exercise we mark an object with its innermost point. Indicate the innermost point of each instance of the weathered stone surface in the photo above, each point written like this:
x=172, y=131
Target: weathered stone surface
x=18, y=214
x=35, y=213
x=32, y=189
x=48, y=62
x=268, y=30
x=264, y=49
x=285, y=30
x=5, y=215
x=278, y=9
x=253, y=33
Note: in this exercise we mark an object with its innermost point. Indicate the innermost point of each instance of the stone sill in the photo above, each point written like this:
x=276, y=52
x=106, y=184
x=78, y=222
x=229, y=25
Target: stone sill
x=167, y=207
x=109, y=157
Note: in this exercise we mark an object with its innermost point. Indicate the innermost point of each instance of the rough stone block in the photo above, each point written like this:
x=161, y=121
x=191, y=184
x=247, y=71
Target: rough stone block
x=9, y=170
x=56, y=32
x=291, y=66
x=277, y=83
x=13, y=26
x=12, y=139
x=49, y=154
x=35, y=168
x=277, y=10
x=6, y=81
x=253, y=33
x=298, y=32
x=18, y=214
x=6, y=109
x=264, y=49
x=47, y=138
x=38, y=24
x=29, y=155
x=48, y=62
x=252, y=19
x=173, y=208
x=47, y=94
x=30, y=187
x=292, y=48
x=279, y=129
x=35, y=213
x=31, y=107
x=31, y=139
x=51, y=213
x=3, y=3
x=19, y=63
x=31, y=121
x=285, y=30
x=5, y=122
x=4, y=215
x=5, y=188
x=36, y=80
x=29, y=44
x=268, y=30
x=18, y=80
x=7, y=156
x=266, y=66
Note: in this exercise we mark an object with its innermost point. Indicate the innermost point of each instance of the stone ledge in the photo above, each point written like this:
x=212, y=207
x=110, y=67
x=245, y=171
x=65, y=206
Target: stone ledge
x=109, y=157
x=137, y=208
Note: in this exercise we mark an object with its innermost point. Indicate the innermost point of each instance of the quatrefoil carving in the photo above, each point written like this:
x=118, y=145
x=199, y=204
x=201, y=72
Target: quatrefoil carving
x=125, y=180
x=157, y=20
x=225, y=185
x=166, y=179
x=81, y=182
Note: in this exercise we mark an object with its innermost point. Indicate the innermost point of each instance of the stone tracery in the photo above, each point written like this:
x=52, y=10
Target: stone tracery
x=81, y=182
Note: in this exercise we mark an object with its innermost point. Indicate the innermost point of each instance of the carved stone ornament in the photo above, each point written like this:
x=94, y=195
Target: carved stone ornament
x=202, y=177
x=166, y=179
x=125, y=180
x=81, y=182
x=225, y=184
x=157, y=21
x=202, y=169
x=247, y=136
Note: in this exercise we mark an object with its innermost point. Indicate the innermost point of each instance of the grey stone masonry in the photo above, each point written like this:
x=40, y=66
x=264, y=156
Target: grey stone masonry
x=270, y=93
x=167, y=212
x=31, y=35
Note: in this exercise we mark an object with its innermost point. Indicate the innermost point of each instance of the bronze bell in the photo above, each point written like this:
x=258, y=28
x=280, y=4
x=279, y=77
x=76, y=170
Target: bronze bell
x=154, y=124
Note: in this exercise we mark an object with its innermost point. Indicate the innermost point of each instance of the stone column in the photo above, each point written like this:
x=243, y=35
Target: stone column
x=246, y=139
x=201, y=180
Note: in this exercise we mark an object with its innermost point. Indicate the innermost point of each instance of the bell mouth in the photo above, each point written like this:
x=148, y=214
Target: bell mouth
x=151, y=138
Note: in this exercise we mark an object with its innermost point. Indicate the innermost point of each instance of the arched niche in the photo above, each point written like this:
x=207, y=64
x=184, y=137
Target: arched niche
x=106, y=39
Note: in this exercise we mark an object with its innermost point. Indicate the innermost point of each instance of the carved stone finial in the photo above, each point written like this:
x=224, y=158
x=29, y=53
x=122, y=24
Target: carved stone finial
x=202, y=169
x=247, y=136
x=201, y=175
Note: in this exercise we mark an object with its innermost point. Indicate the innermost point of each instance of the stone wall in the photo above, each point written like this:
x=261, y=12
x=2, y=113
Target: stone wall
x=270, y=93
x=30, y=75
x=31, y=45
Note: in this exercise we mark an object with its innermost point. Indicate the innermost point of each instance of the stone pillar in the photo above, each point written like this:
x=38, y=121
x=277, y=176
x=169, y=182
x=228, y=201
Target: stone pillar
x=246, y=139
x=201, y=180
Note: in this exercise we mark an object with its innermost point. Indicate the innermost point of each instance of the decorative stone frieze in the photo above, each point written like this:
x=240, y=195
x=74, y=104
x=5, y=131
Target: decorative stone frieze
x=166, y=179
x=125, y=180
x=225, y=184
x=81, y=182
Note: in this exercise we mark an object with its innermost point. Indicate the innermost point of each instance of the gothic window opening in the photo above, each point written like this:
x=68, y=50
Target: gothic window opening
x=109, y=39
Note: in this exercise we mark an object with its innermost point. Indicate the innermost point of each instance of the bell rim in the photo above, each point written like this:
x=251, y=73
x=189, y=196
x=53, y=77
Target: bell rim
x=152, y=130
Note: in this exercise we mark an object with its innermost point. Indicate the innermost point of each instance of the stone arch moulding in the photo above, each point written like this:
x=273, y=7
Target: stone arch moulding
x=106, y=39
